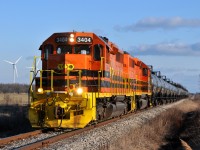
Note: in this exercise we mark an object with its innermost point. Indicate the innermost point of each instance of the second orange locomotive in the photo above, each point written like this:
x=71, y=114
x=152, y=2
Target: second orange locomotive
x=86, y=78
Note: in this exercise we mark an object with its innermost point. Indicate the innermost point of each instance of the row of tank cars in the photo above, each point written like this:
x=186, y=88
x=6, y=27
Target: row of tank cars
x=164, y=90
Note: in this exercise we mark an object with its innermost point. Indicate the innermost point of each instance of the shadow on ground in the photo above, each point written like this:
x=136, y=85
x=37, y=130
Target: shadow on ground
x=189, y=133
x=13, y=120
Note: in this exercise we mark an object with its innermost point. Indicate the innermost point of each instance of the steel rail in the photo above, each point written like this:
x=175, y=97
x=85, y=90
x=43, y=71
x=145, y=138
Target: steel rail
x=46, y=142
x=19, y=137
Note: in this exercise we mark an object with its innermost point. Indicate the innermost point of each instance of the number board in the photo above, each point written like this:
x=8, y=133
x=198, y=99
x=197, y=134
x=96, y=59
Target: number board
x=61, y=39
x=82, y=39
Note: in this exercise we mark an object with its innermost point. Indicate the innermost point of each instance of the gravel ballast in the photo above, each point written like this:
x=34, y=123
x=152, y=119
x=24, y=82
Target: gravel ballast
x=102, y=137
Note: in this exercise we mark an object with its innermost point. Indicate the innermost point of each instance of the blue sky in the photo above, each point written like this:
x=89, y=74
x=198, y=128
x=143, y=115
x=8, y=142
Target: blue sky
x=165, y=34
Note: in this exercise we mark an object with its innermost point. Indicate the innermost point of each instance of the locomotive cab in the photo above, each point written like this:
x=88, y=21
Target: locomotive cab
x=70, y=52
x=70, y=80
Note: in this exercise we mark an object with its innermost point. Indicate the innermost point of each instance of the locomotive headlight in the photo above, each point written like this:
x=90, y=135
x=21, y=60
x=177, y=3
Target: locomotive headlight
x=40, y=90
x=71, y=39
x=71, y=35
x=79, y=91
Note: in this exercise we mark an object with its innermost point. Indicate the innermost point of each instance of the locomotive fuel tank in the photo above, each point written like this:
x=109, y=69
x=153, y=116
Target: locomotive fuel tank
x=115, y=109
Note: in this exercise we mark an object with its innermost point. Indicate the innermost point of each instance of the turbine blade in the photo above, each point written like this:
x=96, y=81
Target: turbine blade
x=9, y=62
x=18, y=59
x=15, y=68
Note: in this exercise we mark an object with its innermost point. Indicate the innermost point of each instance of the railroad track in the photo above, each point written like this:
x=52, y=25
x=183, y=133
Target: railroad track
x=49, y=140
x=54, y=138
x=46, y=142
x=19, y=137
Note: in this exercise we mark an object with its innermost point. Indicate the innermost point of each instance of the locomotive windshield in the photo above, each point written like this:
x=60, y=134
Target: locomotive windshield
x=82, y=49
x=76, y=49
x=64, y=49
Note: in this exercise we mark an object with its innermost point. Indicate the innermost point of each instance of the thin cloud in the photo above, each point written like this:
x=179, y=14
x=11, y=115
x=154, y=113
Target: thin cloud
x=181, y=70
x=168, y=49
x=153, y=23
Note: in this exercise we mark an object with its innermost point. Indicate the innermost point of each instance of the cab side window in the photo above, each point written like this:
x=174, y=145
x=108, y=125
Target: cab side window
x=144, y=71
x=131, y=63
x=64, y=49
x=48, y=49
x=98, y=50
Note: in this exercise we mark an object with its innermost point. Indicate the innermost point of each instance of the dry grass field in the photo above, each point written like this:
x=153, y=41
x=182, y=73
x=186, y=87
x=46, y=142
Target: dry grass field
x=13, y=99
x=160, y=133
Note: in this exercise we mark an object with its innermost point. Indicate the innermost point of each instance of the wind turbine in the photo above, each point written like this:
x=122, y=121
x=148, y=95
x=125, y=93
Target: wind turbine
x=14, y=67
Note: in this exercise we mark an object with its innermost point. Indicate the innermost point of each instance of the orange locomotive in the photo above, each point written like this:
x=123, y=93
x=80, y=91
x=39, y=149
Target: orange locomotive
x=86, y=78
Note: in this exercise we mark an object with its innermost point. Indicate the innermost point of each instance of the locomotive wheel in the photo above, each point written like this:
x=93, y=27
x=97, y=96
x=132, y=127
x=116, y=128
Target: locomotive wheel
x=126, y=110
x=100, y=112
x=155, y=102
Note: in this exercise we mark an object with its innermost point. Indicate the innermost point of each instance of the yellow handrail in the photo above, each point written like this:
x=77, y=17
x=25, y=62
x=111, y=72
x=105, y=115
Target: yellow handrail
x=41, y=71
x=52, y=71
x=52, y=79
x=68, y=78
x=101, y=69
x=99, y=88
x=80, y=78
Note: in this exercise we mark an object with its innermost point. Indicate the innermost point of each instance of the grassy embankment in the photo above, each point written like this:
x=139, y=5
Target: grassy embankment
x=163, y=132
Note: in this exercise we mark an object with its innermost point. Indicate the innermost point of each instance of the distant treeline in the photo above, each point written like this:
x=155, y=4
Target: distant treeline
x=14, y=88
